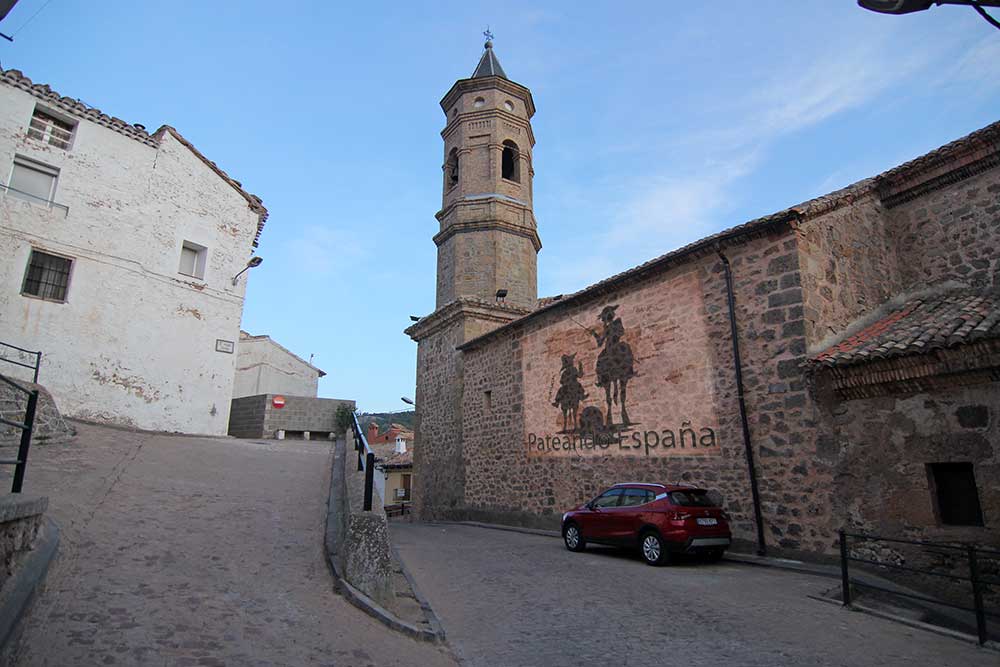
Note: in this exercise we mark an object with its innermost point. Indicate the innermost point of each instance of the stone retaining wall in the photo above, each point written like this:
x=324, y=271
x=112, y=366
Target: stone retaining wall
x=49, y=423
x=256, y=416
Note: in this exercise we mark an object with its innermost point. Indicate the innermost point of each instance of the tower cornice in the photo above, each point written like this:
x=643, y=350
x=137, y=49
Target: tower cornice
x=471, y=116
x=498, y=313
x=463, y=86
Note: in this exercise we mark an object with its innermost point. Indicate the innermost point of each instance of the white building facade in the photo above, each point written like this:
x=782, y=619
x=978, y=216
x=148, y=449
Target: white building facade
x=265, y=367
x=120, y=251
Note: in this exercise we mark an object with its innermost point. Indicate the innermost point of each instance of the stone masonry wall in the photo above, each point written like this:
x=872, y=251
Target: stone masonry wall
x=439, y=486
x=49, y=424
x=504, y=483
x=951, y=234
x=881, y=451
x=849, y=267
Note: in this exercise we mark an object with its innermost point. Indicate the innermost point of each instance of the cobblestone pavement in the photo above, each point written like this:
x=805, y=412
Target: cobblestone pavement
x=194, y=551
x=508, y=599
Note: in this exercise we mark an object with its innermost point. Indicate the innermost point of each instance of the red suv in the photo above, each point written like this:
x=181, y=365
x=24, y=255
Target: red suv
x=659, y=519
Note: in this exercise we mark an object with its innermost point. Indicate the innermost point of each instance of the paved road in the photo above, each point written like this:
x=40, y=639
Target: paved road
x=508, y=599
x=194, y=551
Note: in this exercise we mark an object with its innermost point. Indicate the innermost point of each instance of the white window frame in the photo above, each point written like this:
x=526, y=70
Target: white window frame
x=49, y=138
x=200, y=259
x=33, y=165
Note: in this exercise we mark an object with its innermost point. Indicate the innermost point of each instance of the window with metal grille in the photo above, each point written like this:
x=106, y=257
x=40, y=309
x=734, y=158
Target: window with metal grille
x=53, y=131
x=955, y=493
x=47, y=276
x=32, y=180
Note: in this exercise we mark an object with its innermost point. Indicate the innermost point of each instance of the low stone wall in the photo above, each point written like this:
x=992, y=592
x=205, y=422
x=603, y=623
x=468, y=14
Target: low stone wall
x=49, y=423
x=367, y=561
x=256, y=416
x=28, y=542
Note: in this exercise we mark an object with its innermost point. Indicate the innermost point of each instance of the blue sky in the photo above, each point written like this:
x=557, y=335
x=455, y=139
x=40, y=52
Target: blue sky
x=656, y=124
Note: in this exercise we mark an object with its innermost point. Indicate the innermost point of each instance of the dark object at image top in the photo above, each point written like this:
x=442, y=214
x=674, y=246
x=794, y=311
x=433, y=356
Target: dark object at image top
x=910, y=6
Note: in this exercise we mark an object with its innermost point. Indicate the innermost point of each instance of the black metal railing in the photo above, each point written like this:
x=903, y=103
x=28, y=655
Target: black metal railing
x=366, y=460
x=34, y=367
x=975, y=578
x=21, y=462
x=402, y=509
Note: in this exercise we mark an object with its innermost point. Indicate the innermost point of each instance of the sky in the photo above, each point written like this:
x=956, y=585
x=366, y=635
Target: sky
x=657, y=123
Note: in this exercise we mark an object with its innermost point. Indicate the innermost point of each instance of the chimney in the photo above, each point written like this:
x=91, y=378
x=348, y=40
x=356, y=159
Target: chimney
x=372, y=431
x=400, y=445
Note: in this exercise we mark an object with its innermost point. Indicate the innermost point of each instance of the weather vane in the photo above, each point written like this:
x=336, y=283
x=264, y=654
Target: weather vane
x=487, y=34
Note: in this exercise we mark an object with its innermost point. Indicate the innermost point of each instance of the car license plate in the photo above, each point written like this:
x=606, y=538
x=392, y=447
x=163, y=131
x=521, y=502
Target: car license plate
x=708, y=521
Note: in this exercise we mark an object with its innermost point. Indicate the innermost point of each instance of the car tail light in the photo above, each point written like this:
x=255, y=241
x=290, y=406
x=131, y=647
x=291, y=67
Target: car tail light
x=678, y=516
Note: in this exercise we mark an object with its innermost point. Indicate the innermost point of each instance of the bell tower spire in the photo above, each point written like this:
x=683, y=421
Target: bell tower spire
x=488, y=238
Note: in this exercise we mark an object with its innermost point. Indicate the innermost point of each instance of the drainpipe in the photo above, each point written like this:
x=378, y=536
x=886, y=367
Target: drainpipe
x=738, y=367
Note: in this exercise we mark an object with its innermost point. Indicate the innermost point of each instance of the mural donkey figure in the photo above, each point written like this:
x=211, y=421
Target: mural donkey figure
x=570, y=390
x=615, y=362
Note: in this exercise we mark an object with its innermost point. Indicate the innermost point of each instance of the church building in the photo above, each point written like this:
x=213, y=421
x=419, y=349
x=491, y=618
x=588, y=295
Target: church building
x=832, y=365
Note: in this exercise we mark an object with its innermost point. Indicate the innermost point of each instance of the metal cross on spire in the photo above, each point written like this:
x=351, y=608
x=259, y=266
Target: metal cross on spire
x=487, y=34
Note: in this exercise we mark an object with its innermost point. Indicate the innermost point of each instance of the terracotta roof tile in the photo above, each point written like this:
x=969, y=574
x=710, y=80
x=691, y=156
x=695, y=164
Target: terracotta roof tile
x=17, y=79
x=920, y=325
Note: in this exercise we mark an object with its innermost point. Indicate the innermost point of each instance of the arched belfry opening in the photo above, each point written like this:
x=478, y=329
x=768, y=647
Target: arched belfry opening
x=451, y=168
x=510, y=166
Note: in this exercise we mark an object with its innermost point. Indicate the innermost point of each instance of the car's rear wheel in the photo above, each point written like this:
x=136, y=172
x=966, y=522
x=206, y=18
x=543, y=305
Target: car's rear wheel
x=573, y=538
x=653, y=550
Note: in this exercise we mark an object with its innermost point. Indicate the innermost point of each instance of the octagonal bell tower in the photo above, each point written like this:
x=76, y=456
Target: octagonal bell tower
x=488, y=240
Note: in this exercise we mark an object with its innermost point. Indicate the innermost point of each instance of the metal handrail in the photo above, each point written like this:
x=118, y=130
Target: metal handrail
x=974, y=577
x=27, y=196
x=35, y=367
x=366, y=460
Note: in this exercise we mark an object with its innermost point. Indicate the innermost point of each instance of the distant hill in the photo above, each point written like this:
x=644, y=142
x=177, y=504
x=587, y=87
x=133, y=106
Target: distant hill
x=384, y=419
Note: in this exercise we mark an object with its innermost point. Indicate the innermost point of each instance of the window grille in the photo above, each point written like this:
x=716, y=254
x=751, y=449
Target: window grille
x=47, y=276
x=46, y=127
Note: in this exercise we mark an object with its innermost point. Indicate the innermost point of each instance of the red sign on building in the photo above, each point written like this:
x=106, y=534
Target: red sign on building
x=278, y=401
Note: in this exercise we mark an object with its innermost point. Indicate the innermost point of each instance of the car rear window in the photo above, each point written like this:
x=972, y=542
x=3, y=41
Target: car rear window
x=691, y=499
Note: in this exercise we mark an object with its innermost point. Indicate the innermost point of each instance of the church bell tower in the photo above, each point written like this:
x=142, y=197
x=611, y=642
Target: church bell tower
x=486, y=268
x=488, y=240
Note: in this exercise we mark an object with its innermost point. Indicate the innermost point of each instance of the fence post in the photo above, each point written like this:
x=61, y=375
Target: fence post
x=38, y=364
x=22, y=451
x=369, y=480
x=845, y=577
x=977, y=595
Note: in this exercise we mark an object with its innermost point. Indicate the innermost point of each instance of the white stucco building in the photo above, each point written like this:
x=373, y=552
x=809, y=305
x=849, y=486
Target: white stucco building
x=120, y=249
x=265, y=367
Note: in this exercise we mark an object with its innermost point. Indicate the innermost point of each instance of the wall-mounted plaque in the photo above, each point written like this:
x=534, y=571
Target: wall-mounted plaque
x=226, y=346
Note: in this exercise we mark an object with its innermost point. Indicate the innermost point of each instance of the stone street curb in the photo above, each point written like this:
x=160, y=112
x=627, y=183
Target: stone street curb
x=21, y=586
x=331, y=544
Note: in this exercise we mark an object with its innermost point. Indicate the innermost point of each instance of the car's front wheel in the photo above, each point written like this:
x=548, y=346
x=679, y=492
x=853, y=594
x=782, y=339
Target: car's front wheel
x=652, y=549
x=573, y=538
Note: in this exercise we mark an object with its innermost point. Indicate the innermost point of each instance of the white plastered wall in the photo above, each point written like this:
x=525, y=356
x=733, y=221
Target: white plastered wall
x=264, y=367
x=135, y=341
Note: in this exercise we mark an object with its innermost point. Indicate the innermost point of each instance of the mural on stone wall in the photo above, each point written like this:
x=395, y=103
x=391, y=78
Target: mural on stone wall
x=633, y=378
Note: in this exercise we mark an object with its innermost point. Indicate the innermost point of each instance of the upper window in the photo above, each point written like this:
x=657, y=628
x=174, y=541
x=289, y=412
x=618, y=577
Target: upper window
x=33, y=180
x=54, y=131
x=452, y=167
x=193, y=260
x=956, y=494
x=511, y=162
x=47, y=276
